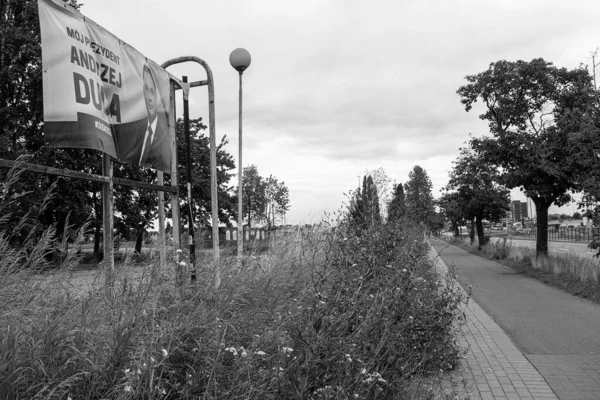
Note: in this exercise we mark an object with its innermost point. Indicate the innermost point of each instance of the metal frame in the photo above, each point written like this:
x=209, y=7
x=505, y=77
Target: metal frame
x=213, y=151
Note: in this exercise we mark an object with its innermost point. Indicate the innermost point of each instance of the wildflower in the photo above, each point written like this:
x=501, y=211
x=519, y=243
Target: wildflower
x=244, y=354
x=287, y=349
x=165, y=353
x=179, y=251
x=126, y=370
x=163, y=392
x=410, y=317
x=260, y=353
x=363, y=371
x=182, y=264
x=404, y=270
x=127, y=388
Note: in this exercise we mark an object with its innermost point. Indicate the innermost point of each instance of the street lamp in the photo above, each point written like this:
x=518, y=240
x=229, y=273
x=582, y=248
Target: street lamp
x=240, y=60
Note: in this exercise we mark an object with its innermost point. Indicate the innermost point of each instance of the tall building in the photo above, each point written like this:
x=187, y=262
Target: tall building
x=519, y=210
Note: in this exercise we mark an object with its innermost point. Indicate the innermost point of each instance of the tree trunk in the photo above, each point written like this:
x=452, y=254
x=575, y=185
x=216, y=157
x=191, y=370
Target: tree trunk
x=455, y=229
x=480, y=233
x=97, y=255
x=139, y=240
x=472, y=233
x=541, y=210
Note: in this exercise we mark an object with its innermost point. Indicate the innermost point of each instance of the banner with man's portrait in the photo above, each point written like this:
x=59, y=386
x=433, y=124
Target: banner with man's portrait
x=100, y=93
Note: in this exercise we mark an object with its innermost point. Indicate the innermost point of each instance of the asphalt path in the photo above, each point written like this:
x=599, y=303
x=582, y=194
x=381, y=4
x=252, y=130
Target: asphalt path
x=540, y=319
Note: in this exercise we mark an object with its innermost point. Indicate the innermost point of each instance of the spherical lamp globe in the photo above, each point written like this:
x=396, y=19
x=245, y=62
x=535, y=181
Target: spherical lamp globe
x=240, y=59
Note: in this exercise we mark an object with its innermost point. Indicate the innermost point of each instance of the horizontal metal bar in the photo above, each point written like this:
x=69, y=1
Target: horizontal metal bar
x=195, y=84
x=42, y=169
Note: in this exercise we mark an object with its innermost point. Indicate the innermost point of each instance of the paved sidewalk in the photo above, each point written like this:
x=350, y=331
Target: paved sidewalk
x=493, y=368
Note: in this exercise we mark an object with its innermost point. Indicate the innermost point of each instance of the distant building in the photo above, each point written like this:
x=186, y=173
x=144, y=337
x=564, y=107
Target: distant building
x=519, y=210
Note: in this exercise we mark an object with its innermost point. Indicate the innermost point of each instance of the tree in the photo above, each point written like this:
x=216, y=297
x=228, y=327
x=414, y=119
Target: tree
x=452, y=206
x=480, y=196
x=201, y=176
x=397, y=206
x=537, y=114
x=277, y=200
x=419, y=200
x=576, y=215
x=364, y=205
x=254, y=199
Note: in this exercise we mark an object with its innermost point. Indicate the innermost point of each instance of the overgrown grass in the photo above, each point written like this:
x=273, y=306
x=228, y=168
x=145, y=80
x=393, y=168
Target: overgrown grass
x=324, y=314
x=568, y=271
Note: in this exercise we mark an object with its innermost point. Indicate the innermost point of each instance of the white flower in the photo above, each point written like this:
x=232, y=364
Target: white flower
x=165, y=353
x=126, y=370
x=127, y=388
x=287, y=349
x=179, y=251
x=404, y=270
x=163, y=392
x=260, y=353
x=244, y=354
x=363, y=371
x=182, y=264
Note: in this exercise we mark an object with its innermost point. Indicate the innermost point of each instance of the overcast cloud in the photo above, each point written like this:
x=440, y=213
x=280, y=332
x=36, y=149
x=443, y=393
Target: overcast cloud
x=341, y=86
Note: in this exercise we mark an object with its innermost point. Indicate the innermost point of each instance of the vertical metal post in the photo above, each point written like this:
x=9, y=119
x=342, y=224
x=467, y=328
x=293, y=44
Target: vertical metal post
x=162, y=239
x=188, y=167
x=213, y=177
x=107, y=211
x=174, y=182
x=240, y=227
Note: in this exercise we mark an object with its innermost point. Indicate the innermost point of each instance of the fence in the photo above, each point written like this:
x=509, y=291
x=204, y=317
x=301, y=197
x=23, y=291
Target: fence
x=569, y=234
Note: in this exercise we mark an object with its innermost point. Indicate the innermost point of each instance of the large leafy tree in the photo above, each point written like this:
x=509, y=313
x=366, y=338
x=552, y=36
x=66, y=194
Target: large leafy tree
x=277, y=198
x=480, y=196
x=537, y=115
x=420, y=206
x=21, y=122
x=254, y=198
x=452, y=207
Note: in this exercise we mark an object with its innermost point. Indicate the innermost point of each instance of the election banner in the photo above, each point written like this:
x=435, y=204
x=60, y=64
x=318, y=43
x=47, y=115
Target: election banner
x=100, y=93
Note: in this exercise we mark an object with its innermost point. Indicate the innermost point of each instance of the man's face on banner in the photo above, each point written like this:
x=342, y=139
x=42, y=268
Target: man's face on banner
x=150, y=95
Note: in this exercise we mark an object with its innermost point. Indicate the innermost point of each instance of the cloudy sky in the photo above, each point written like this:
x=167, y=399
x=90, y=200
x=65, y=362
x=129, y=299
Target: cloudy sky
x=338, y=87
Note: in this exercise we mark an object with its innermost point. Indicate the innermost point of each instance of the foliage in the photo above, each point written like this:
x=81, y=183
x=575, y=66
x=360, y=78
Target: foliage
x=263, y=199
x=201, y=176
x=451, y=206
x=397, y=206
x=326, y=314
x=364, y=206
x=478, y=196
x=543, y=134
x=277, y=197
x=419, y=200
x=253, y=195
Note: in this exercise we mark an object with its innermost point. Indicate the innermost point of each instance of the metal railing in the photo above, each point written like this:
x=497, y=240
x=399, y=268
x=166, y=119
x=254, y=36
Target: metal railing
x=569, y=234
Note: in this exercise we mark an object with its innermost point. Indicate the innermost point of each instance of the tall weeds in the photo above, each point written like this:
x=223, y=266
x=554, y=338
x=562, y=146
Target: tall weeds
x=326, y=313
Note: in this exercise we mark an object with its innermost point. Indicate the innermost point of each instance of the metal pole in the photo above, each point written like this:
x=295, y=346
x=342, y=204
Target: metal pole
x=188, y=167
x=107, y=210
x=240, y=235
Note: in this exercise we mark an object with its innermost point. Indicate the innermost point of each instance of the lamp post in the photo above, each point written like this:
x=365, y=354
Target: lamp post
x=240, y=60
